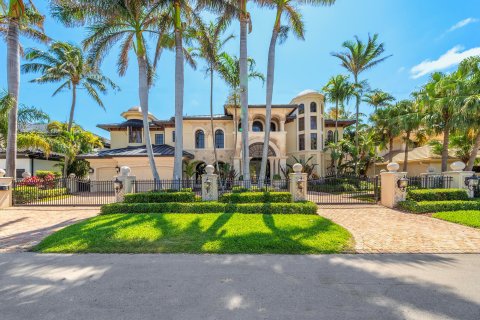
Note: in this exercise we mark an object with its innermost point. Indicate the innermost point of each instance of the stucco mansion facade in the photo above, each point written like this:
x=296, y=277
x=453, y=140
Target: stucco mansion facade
x=298, y=129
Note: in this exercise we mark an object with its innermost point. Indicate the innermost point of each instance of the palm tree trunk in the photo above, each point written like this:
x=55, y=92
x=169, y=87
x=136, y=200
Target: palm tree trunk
x=211, y=121
x=405, y=158
x=179, y=83
x=268, y=105
x=72, y=108
x=13, y=75
x=244, y=89
x=335, y=138
x=357, y=112
x=446, y=141
x=473, y=153
x=236, y=127
x=143, y=95
x=390, y=149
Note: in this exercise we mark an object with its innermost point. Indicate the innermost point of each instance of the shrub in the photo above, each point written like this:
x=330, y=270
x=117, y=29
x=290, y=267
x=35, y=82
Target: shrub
x=26, y=194
x=43, y=173
x=239, y=189
x=437, y=206
x=437, y=194
x=252, y=197
x=211, y=207
x=159, y=197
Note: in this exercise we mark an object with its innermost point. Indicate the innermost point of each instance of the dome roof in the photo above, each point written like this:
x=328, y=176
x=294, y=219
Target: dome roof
x=305, y=92
x=135, y=108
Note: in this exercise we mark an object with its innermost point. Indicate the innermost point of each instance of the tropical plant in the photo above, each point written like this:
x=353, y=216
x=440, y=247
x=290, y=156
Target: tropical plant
x=66, y=63
x=307, y=166
x=378, y=98
x=293, y=22
x=190, y=168
x=357, y=58
x=17, y=17
x=409, y=121
x=460, y=145
x=385, y=124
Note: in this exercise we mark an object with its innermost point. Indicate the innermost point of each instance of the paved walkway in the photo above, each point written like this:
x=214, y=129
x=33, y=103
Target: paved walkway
x=377, y=229
x=23, y=227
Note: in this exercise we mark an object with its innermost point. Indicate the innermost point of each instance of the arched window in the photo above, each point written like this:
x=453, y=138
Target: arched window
x=313, y=107
x=219, y=139
x=330, y=136
x=257, y=126
x=199, y=139
x=273, y=127
x=301, y=109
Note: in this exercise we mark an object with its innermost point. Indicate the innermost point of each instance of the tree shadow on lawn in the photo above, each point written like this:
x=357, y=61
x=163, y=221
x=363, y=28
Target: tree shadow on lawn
x=220, y=233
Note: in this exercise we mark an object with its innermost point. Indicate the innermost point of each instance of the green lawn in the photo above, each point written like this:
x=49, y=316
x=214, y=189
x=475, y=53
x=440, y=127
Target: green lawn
x=469, y=218
x=200, y=233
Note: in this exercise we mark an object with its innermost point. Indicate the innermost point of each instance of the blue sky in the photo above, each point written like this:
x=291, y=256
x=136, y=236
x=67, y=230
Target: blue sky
x=423, y=36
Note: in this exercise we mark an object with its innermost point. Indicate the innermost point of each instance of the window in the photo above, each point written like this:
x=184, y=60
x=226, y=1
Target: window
x=330, y=136
x=199, y=139
x=160, y=138
x=313, y=107
x=135, y=135
x=219, y=139
x=273, y=127
x=313, y=122
x=257, y=126
x=301, y=109
x=173, y=136
x=301, y=124
x=301, y=142
x=313, y=141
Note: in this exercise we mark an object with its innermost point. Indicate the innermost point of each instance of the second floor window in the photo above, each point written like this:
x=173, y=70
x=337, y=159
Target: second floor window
x=159, y=138
x=301, y=109
x=313, y=141
x=257, y=126
x=301, y=142
x=134, y=135
x=313, y=107
x=219, y=139
x=313, y=122
x=330, y=137
x=301, y=124
x=199, y=139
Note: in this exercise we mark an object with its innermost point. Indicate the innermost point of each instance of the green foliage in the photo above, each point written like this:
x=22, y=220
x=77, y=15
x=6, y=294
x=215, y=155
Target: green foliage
x=43, y=173
x=26, y=194
x=437, y=194
x=469, y=218
x=211, y=207
x=159, y=197
x=258, y=197
x=239, y=189
x=437, y=206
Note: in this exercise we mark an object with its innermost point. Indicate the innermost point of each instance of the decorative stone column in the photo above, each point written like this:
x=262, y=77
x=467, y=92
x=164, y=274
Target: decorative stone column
x=72, y=183
x=124, y=183
x=458, y=177
x=209, y=184
x=391, y=193
x=6, y=199
x=298, y=183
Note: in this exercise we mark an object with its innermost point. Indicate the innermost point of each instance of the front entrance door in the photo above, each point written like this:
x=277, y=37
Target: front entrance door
x=255, y=168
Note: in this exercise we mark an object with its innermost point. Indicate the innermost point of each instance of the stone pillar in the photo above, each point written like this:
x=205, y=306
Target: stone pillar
x=209, y=184
x=6, y=198
x=72, y=185
x=298, y=183
x=127, y=183
x=391, y=193
x=458, y=177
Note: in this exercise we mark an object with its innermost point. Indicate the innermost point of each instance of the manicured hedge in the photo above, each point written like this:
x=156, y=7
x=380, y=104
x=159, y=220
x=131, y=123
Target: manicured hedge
x=437, y=206
x=256, y=197
x=159, y=197
x=437, y=194
x=211, y=207
x=26, y=194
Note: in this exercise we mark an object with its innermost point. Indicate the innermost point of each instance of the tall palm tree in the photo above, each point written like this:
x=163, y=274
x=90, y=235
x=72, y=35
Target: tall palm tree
x=357, y=58
x=385, y=123
x=409, y=120
x=294, y=22
x=17, y=17
x=65, y=62
x=210, y=47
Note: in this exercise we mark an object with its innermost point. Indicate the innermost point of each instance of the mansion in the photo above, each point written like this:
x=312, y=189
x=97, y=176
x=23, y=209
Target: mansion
x=298, y=130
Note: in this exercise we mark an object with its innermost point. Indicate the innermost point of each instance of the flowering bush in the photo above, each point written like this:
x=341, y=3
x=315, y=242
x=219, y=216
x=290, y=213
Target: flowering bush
x=46, y=182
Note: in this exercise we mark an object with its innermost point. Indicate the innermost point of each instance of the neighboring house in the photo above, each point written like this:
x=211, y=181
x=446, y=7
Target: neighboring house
x=298, y=130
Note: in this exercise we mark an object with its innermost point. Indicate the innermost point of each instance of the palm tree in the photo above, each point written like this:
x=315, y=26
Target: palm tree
x=357, y=58
x=18, y=17
x=66, y=63
x=210, y=46
x=385, y=123
x=294, y=23
x=409, y=120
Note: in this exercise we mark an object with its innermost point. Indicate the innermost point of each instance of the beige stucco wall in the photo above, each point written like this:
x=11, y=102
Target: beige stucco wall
x=105, y=169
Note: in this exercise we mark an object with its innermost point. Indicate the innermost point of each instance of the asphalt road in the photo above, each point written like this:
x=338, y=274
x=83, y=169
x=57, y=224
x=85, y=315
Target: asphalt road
x=239, y=287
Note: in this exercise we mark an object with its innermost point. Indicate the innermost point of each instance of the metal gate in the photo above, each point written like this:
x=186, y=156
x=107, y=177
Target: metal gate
x=344, y=190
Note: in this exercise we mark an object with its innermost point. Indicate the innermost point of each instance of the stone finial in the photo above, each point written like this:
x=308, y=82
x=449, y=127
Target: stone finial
x=457, y=166
x=297, y=168
x=2, y=173
x=393, y=167
x=209, y=169
x=72, y=175
x=125, y=171
x=26, y=175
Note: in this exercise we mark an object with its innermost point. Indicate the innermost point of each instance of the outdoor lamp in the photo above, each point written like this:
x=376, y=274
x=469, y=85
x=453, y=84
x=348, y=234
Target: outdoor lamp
x=402, y=183
x=117, y=184
x=471, y=182
x=208, y=184
x=300, y=184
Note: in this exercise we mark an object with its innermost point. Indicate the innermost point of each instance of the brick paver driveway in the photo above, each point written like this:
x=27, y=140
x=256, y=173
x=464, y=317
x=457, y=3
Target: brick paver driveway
x=378, y=229
x=23, y=227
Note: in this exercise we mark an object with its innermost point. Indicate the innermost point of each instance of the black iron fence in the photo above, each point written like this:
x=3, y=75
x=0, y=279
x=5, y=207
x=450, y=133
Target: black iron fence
x=344, y=190
x=429, y=182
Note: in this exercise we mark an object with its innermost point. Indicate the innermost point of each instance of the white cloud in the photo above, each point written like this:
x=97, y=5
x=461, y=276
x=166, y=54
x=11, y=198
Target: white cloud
x=449, y=59
x=463, y=23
